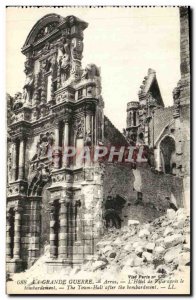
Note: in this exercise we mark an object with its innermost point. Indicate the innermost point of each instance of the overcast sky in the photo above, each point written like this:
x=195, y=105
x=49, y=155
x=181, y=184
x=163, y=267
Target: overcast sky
x=124, y=42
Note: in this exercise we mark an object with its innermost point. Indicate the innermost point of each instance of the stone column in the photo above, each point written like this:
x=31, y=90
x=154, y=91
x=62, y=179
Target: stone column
x=65, y=143
x=34, y=230
x=70, y=230
x=88, y=123
x=21, y=160
x=53, y=246
x=17, y=232
x=14, y=165
x=8, y=236
x=62, y=250
x=56, y=151
x=88, y=136
x=36, y=92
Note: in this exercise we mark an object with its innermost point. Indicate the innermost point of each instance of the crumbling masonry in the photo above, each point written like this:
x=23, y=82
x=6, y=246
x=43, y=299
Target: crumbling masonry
x=61, y=105
x=67, y=203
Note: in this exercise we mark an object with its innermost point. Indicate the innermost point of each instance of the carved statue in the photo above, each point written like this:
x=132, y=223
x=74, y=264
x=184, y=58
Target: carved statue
x=27, y=89
x=77, y=48
x=28, y=65
x=79, y=128
x=90, y=72
x=18, y=101
x=64, y=59
x=45, y=141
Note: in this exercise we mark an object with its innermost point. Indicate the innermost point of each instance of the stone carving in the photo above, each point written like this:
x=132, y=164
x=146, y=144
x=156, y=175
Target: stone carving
x=44, y=171
x=79, y=128
x=43, y=110
x=46, y=30
x=76, y=48
x=64, y=59
x=28, y=88
x=90, y=72
x=46, y=65
x=18, y=101
x=46, y=140
x=28, y=65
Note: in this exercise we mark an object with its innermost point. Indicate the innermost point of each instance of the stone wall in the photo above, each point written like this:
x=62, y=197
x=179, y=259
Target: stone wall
x=120, y=180
x=185, y=54
x=185, y=86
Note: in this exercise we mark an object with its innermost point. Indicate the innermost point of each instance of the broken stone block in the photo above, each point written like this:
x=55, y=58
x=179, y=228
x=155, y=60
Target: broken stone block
x=171, y=214
x=99, y=264
x=128, y=247
x=144, y=233
x=133, y=261
x=181, y=212
x=147, y=256
x=159, y=250
x=168, y=231
x=139, y=250
x=148, y=227
x=118, y=241
x=150, y=247
x=183, y=259
x=162, y=269
x=106, y=249
x=102, y=244
x=160, y=242
x=133, y=222
x=178, y=224
x=129, y=262
x=171, y=254
x=173, y=240
x=138, y=261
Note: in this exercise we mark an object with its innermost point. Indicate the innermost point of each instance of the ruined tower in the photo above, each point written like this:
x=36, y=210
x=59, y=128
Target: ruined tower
x=48, y=194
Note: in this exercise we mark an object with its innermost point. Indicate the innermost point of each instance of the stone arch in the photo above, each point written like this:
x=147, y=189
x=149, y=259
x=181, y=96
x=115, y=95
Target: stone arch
x=36, y=186
x=167, y=150
x=36, y=214
x=40, y=24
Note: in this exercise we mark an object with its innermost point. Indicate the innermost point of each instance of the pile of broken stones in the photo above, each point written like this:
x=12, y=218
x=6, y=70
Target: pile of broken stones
x=162, y=246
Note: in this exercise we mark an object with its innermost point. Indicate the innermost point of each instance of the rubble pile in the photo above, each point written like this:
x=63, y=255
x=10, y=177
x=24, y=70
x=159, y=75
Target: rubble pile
x=160, y=247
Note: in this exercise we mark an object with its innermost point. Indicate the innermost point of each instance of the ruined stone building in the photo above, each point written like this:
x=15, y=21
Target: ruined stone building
x=147, y=190
x=49, y=199
x=166, y=130
x=66, y=203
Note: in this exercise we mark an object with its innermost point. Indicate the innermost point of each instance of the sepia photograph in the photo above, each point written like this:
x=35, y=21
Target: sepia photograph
x=98, y=150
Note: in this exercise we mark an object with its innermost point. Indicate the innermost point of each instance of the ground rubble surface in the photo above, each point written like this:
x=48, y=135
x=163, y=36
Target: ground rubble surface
x=159, y=247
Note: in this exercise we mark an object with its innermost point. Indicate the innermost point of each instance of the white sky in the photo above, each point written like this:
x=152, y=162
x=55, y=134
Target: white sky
x=124, y=42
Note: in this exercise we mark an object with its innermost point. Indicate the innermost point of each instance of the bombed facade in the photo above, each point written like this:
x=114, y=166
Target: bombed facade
x=65, y=202
x=51, y=199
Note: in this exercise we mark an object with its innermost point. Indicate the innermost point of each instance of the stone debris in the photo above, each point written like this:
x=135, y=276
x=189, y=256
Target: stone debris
x=155, y=248
x=173, y=240
x=133, y=222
